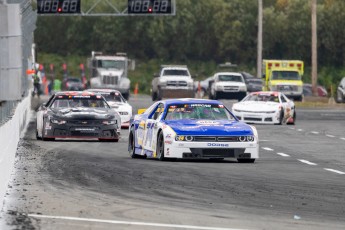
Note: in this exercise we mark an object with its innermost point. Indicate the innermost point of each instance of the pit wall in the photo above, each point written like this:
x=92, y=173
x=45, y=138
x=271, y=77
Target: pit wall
x=10, y=134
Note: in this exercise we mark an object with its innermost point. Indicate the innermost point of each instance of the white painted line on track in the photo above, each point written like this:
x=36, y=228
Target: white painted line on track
x=335, y=171
x=129, y=222
x=328, y=135
x=314, y=132
x=342, y=138
x=299, y=130
x=307, y=162
x=283, y=154
x=291, y=128
x=268, y=149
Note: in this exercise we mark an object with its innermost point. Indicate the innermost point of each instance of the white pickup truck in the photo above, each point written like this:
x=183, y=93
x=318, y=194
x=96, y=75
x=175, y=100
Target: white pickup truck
x=229, y=85
x=173, y=81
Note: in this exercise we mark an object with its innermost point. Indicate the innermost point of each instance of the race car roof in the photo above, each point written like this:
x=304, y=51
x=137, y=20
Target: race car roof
x=191, y=101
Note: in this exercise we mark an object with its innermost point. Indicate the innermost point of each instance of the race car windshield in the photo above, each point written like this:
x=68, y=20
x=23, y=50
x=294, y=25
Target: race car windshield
x=285, y=75
x=79, y=102
x=113, y=97
x=262, y=97
x=235, y=78
x=198, y=112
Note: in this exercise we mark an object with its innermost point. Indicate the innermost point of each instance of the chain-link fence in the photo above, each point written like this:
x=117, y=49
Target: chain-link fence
x=17, y=23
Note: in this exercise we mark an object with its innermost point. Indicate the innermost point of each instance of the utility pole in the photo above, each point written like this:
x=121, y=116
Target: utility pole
x=314, y=47
x=259, y=54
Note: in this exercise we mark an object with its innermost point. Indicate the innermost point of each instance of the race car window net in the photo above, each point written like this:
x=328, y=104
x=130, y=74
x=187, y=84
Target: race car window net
x=113, y=97
x=197, y=112
x=64, y=102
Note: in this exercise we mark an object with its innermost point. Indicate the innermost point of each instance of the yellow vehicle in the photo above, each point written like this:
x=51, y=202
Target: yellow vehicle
x=284, y=76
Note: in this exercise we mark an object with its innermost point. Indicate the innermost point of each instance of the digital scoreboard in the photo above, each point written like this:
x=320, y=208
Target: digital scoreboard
x=58, y=6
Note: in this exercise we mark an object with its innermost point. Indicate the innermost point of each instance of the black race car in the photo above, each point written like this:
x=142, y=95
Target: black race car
x=74, y=114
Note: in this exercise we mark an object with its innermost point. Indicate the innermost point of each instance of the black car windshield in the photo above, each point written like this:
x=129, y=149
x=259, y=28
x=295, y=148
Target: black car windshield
x=235, y=78
x=79, y=102
x=198, y=111
x=285, y=75
x=175, y=72
x=262, y=97
x=109, y=64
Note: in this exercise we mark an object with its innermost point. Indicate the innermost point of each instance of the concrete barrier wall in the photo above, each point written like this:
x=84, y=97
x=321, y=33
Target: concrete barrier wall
x=10, y=133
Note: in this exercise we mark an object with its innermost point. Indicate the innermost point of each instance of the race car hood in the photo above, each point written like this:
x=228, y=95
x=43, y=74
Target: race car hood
x=256, y=106
x=210, y=127
x=119, y=105
x=84, y=113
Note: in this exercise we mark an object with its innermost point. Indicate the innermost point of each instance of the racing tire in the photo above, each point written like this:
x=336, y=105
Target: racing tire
x=246, y=160
x=160, y=147
x=215, y=97
x=38, y=137
x=131, y=144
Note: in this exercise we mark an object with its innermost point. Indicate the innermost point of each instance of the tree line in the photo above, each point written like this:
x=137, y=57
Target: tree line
x=204, y=31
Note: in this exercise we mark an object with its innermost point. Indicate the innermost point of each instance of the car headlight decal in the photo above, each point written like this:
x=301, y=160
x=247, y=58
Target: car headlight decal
x=110, y=122
x=184, y=138
x=57, y=121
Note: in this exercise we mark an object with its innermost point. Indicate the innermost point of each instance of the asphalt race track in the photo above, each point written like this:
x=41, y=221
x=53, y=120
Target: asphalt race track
x=297, y=183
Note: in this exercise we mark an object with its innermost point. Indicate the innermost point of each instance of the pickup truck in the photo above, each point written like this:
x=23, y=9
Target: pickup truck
x=229, y=85
x=173, y=81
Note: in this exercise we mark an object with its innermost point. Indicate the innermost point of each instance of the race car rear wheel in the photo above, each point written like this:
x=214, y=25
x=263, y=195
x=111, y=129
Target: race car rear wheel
x=160, y=147
x=131, y=144
x=246, y=160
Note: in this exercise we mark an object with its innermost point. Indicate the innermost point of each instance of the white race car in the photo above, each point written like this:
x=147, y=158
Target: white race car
x=265, y=108
x=117, y=102
x=191, y=129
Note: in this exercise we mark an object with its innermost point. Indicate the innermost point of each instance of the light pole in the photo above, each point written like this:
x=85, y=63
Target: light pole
x=314, y=48
x=259, y=54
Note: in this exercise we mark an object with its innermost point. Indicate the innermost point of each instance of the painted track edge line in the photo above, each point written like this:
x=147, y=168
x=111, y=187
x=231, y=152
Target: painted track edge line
x=335, y=171
x=130, y=222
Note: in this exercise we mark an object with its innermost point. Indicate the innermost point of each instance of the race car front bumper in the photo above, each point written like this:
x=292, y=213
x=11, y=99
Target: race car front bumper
x=258, y=118
x=207, y=150
x=90, y=129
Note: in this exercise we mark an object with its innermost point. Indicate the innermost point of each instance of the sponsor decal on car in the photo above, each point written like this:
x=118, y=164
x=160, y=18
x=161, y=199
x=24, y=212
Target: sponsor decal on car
x=217, y=145
x=207, y=122
x=168, y=142
x=168, y=136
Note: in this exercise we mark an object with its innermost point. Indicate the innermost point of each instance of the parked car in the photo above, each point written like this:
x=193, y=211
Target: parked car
x=72, y=84
x=340, y=95
x=307, y=90
x=254, y=84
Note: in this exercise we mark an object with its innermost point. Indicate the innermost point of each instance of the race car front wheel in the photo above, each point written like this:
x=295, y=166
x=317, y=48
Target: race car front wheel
x=131, y=144
x=160, y=147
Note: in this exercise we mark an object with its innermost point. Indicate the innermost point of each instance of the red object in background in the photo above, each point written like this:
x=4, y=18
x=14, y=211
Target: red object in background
x=64, y=66
x=81, y=66
x=51, y=67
